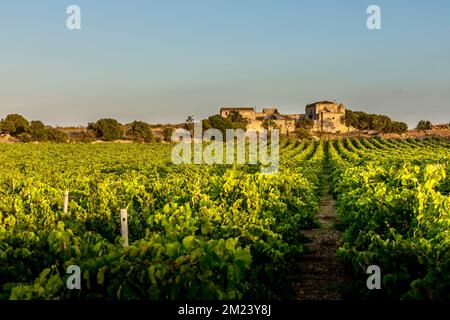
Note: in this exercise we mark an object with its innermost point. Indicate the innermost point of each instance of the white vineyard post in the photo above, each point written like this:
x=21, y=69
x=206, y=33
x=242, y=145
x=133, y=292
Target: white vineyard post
x=124, y=226
x=66, y=201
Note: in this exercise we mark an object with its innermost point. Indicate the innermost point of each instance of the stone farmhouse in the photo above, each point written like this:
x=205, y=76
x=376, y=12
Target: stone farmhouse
x=327, y=117
x=286, y=123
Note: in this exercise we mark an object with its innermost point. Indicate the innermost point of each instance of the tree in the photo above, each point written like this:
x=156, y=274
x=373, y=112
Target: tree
x=206, y=125
x=15, y=124
x=379, y=123
x=423, y=125
x=189, y=124
x=306, y=123
x=25, y=137
x=38, y=131
x=399, y=127
x=233, y=121
x=237, y=120
x=106, y=129
x=357, y=119
x=56, y=135
x=365, y=121
x=86, y=136
x=218, y=122
x=167, y=134
x=269, y=125
x=140, y=131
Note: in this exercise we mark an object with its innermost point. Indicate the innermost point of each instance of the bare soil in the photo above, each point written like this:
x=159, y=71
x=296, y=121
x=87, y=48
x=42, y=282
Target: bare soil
x=323, y=275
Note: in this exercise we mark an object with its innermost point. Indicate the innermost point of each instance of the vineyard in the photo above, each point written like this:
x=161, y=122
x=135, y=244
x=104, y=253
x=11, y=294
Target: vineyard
x=220, y=231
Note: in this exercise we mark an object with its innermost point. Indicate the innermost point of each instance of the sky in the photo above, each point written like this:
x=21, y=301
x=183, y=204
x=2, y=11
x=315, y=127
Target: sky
x=159, y=61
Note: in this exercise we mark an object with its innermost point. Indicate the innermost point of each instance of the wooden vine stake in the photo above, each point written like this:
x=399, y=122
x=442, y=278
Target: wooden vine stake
x=66, y=201
x=124, y=226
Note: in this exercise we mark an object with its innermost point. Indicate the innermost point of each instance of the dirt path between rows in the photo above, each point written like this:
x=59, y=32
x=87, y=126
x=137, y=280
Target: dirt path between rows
x=322, y=273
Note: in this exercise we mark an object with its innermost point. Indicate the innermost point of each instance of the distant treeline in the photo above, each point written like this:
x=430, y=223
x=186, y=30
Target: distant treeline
x=104, y=129
x=111, y=129
x=19, y=127
x=380, y=123
x=139, y=131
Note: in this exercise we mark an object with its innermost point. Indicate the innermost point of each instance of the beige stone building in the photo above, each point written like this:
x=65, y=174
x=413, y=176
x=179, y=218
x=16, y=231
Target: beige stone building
x=245, y=112
x=327, y=116
x=257, y=120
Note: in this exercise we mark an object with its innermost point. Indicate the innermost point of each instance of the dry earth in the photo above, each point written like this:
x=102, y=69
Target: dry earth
x=322, y=273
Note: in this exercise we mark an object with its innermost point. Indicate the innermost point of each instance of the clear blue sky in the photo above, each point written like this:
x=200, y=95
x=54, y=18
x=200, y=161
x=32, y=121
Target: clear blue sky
x=159, y=61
